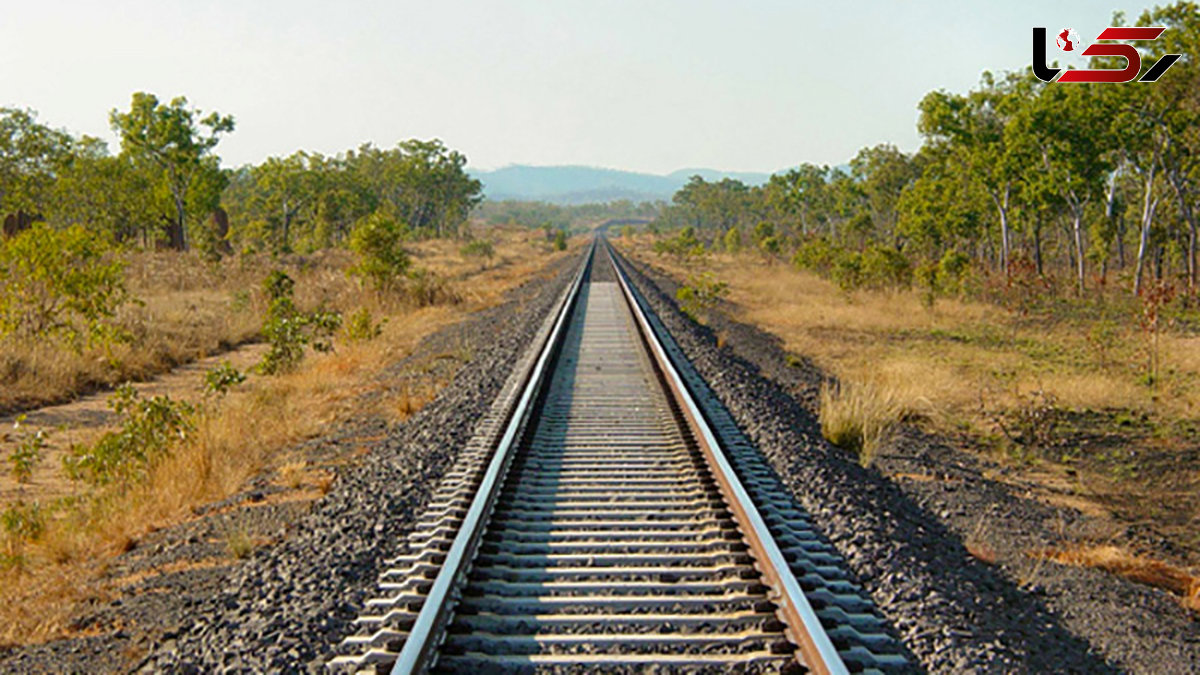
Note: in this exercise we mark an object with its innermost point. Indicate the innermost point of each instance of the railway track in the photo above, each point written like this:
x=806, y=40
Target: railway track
x=608, y=515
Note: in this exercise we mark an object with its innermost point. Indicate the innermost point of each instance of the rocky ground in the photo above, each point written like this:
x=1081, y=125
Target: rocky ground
x=906, y=537
x=187, y=605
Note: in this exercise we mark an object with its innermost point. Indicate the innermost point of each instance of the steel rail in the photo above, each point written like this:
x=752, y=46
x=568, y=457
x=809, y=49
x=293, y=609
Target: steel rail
x=419, y=649
x=804, y=628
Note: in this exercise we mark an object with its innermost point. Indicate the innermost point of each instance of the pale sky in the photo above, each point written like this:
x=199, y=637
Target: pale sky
x=644, y=85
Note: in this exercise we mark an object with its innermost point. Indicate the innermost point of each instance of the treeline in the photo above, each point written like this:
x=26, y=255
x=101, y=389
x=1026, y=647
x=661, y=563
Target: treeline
x=534, y=214
x=1079, y=184
x=166, y=188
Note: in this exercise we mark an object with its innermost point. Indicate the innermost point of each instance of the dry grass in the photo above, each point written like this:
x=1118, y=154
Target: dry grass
x=188, y=309
x=859, y=417
x=972, y=371
x=1139, y=568
x=249, y=432
x=948, y=360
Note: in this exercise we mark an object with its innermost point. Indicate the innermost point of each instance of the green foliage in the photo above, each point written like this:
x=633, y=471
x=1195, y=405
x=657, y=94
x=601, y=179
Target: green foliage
x=627, y=231
x=149, y=428
x=701, y=293
x=28, y=451
x=61, y=283
x=26, y=521
x=560, y=240
x=288, y=330
x=360, y=327
x=478, y=248
x=816, y=254
x=732, y=240
x=379, y=242
x=885, y=268
x=763, y=231
x=684, y=245
x=223, y=377
x=173, y=143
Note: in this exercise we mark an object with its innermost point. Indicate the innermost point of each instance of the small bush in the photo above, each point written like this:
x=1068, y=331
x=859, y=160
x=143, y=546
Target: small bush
x=149, y=428
x=360, y=327
x=383, y=261
x=847, y=270
x=560, y=240
x=289, y=331
x=699, y=295
x=28, y=452
x=20, y=524
x=684, y=245
x=220, y=379
x=732, y=240
x=61, y=283
x=885, y=268
x=816, y=254
x=478, y=248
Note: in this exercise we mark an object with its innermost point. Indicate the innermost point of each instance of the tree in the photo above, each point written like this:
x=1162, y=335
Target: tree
x=379, y=242
x=175, y=139
x=60, y=283
x=972, y=127
x=31, y=157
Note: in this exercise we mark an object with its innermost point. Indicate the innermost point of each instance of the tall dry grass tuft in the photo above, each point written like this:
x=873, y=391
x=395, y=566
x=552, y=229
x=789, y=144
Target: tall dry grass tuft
x=859, y=417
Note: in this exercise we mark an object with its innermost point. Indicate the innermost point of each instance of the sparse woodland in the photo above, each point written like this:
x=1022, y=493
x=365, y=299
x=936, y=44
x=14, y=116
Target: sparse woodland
x=1024, y=284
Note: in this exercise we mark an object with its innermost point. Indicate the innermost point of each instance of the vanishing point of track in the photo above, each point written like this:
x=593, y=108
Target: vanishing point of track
x=602, y=524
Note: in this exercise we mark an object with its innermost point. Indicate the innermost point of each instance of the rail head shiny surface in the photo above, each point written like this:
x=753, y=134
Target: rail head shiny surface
x=805, y=629
x=419, y=651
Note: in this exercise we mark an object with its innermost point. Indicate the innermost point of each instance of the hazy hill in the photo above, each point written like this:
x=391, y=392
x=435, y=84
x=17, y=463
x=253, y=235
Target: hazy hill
x=582, y=184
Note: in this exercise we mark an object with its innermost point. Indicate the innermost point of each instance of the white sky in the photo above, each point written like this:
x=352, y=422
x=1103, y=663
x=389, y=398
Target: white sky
x=644, y=85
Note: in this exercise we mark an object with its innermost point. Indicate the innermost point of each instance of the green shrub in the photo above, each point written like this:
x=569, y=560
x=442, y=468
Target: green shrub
x=289, y=331
x=378, y=240
x=815, y=254
x=770, y=245
x=20, y=523
x=762, y=232
x=61, y=283
x=560, y=240
x=478, y=248
x=885, y=268
x=360, y=327
x=149, y=428
x=627, y=232
x=684, y=245
x=732, y=240
x=847, y=270
x=220, y=379
x=28, y=452
x=952, y=271
x=699, y=295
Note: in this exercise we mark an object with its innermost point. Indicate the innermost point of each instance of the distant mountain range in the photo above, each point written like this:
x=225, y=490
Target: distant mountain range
x=584, y=184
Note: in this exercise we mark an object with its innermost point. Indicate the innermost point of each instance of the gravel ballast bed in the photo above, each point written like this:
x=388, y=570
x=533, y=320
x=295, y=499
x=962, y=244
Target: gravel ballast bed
x=905, y=541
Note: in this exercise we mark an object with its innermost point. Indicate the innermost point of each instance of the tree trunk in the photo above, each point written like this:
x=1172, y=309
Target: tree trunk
x=1037, y=246
x=177, y=233
x=1189, y=217
x=1148, y=206
x=1002, y=208
x=1075, y=218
